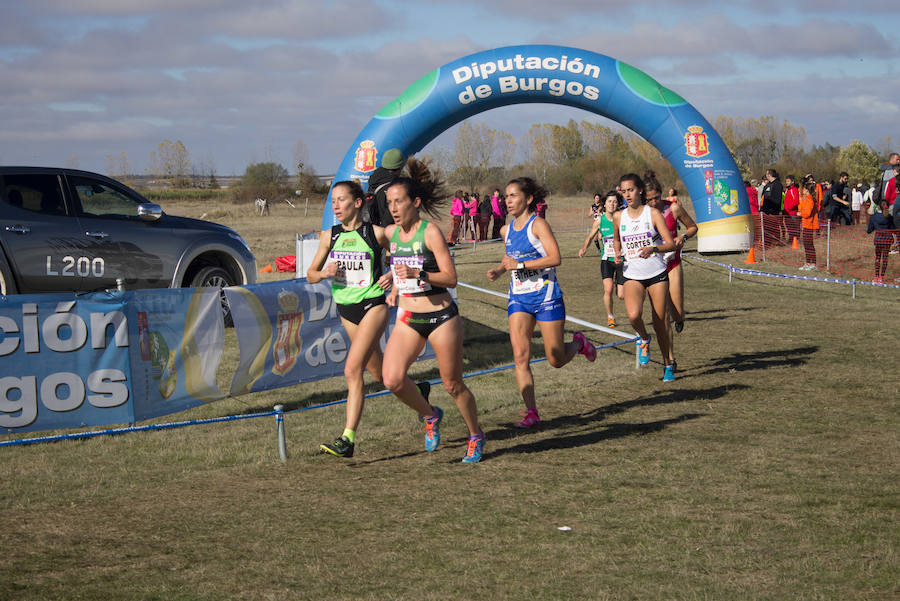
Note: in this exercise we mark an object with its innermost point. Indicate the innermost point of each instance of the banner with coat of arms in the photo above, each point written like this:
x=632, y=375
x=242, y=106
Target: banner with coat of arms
x=289, y=332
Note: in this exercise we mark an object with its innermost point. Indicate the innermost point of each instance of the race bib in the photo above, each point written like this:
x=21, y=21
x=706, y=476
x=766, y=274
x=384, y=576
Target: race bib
x=409, y=285
x=354, y=268
x=525, y=281
x=609, y=248
x=633, y=243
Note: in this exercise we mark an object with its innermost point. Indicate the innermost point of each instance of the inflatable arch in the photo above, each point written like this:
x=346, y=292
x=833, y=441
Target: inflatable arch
x=573, y=77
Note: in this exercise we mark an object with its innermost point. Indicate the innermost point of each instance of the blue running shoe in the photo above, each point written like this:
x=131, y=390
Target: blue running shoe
x=433, y=430
x=643, y=348
x=474, y=450
x=669, y=373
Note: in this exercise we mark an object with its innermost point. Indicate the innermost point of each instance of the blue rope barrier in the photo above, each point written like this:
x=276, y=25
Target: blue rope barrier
x=789, y=276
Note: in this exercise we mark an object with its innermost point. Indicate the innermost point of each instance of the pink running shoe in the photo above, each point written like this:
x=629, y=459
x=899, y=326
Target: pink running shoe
x=587, y=349
x=532, y=420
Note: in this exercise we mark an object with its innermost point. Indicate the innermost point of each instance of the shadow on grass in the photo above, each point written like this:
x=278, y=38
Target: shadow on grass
x=590, y=419
x=763, y=360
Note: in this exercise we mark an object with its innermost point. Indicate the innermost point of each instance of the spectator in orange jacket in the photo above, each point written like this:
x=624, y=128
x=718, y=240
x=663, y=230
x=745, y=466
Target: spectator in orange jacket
x=808, y=209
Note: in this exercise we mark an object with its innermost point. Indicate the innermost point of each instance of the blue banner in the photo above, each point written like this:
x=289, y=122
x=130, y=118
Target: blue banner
x=106, y=358
x=289, y=332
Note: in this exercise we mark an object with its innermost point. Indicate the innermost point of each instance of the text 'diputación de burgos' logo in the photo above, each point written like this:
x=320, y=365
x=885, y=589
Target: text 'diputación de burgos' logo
x=696, y=143
x=286, y=347
x=366, y=157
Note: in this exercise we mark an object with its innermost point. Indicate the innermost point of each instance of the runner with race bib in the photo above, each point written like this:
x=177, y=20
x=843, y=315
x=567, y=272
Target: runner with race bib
x=535, y=297
x=606, y=231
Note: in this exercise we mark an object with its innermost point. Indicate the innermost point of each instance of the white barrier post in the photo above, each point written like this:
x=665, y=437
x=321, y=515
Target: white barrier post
x=279, y=424
x=730, y=273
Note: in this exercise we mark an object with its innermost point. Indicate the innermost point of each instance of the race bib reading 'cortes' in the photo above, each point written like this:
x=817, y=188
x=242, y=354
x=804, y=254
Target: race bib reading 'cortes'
x=409, y=285
x=633, y=243
x=354, y=269
x=525, y=281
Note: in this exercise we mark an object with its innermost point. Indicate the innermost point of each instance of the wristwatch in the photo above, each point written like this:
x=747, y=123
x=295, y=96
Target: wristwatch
x=654, y=250
x=520, y=265
x=423, y=276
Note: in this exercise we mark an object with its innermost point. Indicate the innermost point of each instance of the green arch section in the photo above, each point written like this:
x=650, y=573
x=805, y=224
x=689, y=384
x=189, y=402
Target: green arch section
x=646, y=87
x=411, y=97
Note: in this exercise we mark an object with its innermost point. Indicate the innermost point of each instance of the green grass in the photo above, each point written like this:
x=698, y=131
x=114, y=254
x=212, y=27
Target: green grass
x=768, y=470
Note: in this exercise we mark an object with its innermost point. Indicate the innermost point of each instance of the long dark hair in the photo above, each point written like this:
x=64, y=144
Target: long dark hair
x=531, y=188
x=425, y=184
x=638, y=182
x=352, y=186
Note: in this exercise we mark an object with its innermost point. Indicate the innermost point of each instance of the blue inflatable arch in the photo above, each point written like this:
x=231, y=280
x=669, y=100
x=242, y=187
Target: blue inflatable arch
x=573, y=77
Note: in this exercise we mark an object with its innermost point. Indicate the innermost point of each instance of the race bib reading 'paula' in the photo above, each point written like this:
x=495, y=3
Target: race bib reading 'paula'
x=354, y=268
x=633, y=243
x=409, y=285
x=525, y=281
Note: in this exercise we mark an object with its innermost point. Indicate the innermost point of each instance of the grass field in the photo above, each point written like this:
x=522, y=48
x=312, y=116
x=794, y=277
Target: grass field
x=768, y=470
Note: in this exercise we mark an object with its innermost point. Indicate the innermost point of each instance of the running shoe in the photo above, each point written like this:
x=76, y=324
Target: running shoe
x=669, y=373
x=474, y=450
x=341, y=447
x=610, y=322
x=878, y=280
x=679, y=325
x=643, y=349
x=532, y=420
x=433, y=430
x=587, y=349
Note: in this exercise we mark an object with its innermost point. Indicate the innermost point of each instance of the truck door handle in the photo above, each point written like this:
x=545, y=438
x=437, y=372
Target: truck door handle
x=19, y=229
x=100, y=235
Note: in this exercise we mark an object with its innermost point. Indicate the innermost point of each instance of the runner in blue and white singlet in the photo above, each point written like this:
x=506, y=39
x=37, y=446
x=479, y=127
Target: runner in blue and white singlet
x=535, y=298
x=534, y=291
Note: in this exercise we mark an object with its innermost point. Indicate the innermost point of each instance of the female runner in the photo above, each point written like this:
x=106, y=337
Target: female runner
x=607, y=233
x=641, y=237
x=532, y=255
x=423, y=270
x=672, y=212
x=350, y=254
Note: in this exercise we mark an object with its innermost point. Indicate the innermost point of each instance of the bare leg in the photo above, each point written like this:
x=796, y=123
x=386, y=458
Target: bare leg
x=363, y=353
x=447, y=341
x=521, y=329
x=659, y=299
x=402, y=348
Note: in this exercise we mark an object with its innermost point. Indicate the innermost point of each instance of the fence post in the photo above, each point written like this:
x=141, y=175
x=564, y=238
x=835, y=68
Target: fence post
x=828, y=247
x=279, y=423
x=730, y=273
x=762, y=229
x=854, y=289
x=306, y=208
x=582, y=219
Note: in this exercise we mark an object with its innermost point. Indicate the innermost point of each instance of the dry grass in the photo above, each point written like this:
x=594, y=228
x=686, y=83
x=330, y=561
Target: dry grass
x=767, y=471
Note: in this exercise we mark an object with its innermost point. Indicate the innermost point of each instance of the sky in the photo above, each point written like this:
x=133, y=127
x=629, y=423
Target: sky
x=241, y=82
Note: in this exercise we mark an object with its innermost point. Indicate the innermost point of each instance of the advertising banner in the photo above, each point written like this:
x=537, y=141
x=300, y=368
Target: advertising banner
x=289, y=332
x=105, y=358
x=64, y=361
x=180, y=335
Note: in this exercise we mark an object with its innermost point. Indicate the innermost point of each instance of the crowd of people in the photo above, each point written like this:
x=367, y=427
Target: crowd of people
x=472, y=213
x=797, y=209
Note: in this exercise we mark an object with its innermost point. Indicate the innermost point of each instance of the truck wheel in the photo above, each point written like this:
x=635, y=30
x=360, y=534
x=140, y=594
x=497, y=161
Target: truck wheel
x=216, y=277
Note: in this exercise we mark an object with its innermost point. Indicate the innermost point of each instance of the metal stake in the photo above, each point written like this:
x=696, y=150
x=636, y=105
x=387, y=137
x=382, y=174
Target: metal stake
x=279, y=421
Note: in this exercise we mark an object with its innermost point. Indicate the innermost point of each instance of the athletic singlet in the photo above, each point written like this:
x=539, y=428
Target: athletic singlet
x=529, y=286
x=637, y=234
x=413, y=253
x=672, y=224
x=358, y=257
x=607, y=236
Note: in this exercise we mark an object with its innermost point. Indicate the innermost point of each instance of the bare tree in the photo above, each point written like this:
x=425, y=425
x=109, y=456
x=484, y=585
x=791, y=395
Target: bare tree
x=476, y=149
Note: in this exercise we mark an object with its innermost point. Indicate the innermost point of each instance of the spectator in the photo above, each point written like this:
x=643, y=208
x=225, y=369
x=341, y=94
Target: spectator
x=456, y=213
x=791, y=201
x=771, y=205
x=882, y=224
x=892, y=198
x=470, y=203
x=887, y=172
x=840, y=204
x=808, y=209
x=868, y=204
x=856, y=200
x=498, y=212
x=752, y=196
x=673, y=196
x=376, y=211
x=484, y=217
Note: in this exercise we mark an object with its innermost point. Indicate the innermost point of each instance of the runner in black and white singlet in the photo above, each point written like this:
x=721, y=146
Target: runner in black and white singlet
x=535, y=297
x=641, y=238
x=423, y=270
x=350, y=254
